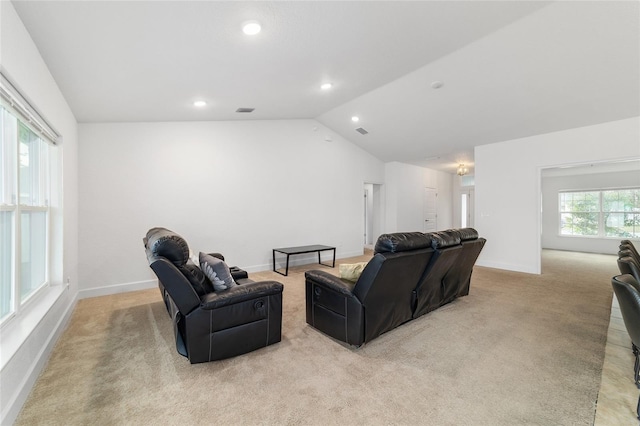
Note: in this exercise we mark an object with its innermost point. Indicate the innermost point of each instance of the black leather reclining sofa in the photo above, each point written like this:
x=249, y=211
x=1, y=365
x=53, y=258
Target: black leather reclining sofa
x=212, y=325
x=410, y=274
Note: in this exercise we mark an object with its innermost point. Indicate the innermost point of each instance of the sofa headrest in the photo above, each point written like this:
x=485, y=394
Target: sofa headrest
x=443, y=239
x=402, y=241
x=168, y=244
x=467, y=234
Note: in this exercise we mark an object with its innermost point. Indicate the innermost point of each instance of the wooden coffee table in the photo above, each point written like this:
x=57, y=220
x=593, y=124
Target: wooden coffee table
x=302, y=250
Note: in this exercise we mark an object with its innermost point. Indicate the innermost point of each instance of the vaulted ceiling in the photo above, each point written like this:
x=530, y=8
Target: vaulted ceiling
x=506, y=69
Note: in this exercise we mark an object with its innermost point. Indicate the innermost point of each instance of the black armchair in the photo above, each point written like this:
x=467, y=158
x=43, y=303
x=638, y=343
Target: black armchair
x=212, y=325
x=627, y=246
x=627, y=291
x=628, y=265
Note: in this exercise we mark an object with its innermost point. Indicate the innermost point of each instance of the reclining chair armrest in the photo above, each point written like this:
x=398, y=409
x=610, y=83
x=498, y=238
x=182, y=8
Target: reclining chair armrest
x=236, y=273
x=241, y=293
x=218, y=255
x=331, y=282
x=333, y=308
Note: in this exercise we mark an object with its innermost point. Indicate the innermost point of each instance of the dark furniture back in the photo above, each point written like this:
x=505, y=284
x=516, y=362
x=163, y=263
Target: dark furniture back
x=409, y=275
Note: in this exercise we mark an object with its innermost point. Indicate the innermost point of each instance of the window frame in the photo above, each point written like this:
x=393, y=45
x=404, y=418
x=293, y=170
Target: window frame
x=601, y=212
x=17, y=208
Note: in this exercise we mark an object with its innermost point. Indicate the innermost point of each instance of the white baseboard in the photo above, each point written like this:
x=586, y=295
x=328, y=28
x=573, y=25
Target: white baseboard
x=117, y=288
x=527, y=269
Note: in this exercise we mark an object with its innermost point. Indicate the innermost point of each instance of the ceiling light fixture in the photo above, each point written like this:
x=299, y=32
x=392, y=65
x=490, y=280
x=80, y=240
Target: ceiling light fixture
x=326, y=86
x=462, y=170
x=251, y=27
x=199, y=104
x=355, y=119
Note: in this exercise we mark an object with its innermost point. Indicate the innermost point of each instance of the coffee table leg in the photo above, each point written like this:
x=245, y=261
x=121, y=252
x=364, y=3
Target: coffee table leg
x=286, y=271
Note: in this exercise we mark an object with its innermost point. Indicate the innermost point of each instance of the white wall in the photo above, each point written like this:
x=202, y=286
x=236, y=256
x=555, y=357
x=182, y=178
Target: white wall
x=238, y=187
x=507, y=185
x=27, y=339
x=444, y=185
x=405, y=186
x=551, y=185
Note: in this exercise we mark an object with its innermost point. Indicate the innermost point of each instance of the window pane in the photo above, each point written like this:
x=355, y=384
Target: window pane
x=579, y=223
x=625, y=225
x=623, y=200
x=580, y=201
x=32, y=154
x=33, y=260
x=8, y=152
x=6, y=263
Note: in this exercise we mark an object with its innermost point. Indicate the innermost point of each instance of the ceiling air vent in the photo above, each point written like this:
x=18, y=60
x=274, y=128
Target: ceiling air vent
x=245, y=109
x=361, y=131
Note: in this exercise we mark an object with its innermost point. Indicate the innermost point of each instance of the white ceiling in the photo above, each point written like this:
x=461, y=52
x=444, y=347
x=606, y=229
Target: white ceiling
x=510, y=68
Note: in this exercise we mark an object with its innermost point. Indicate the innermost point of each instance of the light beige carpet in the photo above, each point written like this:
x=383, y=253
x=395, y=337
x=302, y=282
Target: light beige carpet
x=519, y=350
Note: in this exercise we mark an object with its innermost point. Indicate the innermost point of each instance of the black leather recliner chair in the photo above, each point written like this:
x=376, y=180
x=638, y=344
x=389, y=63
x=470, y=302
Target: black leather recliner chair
x=212, y=325
x=629, y=261
x=410, y=274
x=379, y=301
x=627, y=291
x=627, y=246
x=438, y=285
x=628, y=265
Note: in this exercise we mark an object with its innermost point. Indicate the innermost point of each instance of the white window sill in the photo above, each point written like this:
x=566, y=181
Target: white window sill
x=17, y=329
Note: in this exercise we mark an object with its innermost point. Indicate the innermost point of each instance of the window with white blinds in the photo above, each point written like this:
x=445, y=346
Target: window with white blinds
x=26, y=144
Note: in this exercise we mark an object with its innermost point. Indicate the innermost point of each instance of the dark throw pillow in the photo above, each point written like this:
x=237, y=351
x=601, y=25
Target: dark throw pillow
x=196, y=277
x=217, y=271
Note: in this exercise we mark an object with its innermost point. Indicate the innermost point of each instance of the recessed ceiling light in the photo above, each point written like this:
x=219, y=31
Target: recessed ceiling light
x=199, y=104
x=251, y=27
x=326, y=86
x=355, y=119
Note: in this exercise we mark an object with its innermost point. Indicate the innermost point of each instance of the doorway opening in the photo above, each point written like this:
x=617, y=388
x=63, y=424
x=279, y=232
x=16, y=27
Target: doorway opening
x=466, y=208
x=372, y=213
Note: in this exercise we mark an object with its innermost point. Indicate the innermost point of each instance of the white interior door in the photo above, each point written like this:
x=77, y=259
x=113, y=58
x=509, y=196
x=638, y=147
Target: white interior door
x=430, y=223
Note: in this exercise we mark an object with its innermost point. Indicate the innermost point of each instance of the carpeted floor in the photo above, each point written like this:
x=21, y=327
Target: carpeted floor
x=519, y=350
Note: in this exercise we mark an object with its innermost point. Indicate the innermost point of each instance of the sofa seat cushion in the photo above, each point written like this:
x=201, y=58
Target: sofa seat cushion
x=217, y=271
